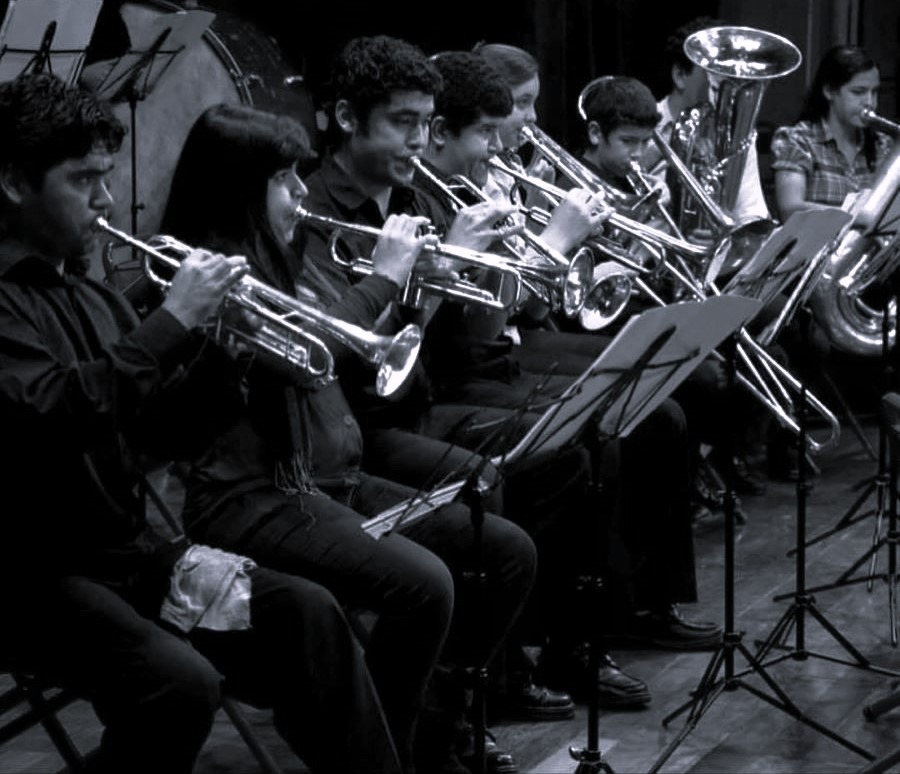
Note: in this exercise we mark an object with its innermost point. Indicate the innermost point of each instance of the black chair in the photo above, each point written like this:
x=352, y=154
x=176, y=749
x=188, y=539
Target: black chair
x=32, y=700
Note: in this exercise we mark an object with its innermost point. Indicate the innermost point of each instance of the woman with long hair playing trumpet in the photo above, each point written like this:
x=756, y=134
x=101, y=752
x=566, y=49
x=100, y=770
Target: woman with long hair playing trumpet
x=287, y=482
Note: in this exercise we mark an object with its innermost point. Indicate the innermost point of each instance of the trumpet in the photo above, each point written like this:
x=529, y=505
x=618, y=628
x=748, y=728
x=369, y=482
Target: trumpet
x=419, y=283
x=646, y=234
x=291, y=328
x=761, y=374
x=561, y=282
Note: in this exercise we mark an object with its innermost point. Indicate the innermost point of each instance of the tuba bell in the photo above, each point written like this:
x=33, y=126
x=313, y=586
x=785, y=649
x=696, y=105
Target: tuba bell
x=713, y=139
x=863, y=260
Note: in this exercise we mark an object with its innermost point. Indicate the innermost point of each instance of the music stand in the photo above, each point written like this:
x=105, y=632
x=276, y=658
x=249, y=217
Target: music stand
x=787, y=252
x=472, y=490
x=46, y=36
x=887, y=261
x=651, y=355
x=132, y=76
x=792, y=256
x=790, y=251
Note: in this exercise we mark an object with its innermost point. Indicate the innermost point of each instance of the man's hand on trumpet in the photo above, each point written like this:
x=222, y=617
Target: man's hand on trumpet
x=578, y=216
x=399, y=246
x=478, y=226
x=200, y=285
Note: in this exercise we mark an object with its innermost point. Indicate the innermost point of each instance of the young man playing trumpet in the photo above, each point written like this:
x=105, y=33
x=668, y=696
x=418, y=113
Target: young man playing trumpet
x=94, y=597
x=658, y=444
x=382, y=100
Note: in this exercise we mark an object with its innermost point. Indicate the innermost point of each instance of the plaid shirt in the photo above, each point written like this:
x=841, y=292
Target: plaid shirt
x=810, y=148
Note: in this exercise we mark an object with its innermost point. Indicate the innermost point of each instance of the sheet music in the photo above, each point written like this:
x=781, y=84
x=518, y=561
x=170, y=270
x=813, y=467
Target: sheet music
x=787, y=252
x=690, y=331
x=25, y=25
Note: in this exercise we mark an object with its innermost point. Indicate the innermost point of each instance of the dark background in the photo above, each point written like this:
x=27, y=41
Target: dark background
x=578, y=40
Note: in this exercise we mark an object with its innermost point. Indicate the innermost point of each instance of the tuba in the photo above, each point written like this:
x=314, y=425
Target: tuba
x=290, y=329
x=865, y=257
x=712, y=140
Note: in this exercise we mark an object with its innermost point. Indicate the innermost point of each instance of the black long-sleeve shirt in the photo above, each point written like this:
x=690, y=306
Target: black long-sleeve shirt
x=83, y=382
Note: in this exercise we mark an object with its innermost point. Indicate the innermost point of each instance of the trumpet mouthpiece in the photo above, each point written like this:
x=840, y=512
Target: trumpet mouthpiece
x=881, y=123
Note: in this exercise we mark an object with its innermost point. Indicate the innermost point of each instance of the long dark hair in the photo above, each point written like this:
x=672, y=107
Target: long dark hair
x=218, y=194
x=837, y=67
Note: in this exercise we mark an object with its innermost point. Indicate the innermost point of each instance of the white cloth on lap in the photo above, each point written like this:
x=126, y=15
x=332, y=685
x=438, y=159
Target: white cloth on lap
x=210, y=589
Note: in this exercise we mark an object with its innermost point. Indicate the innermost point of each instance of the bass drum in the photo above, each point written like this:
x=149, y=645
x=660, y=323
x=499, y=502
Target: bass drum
x=233, y=62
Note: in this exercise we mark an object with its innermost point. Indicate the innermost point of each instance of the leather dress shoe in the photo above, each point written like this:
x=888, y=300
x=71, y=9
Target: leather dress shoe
x=668, y=629
x=615, y=689
x=537, y=702
x=496, y=761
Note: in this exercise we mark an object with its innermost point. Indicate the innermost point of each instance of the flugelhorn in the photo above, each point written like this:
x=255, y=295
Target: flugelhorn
x=291, y=328
x=421, y=284
x=562, y=283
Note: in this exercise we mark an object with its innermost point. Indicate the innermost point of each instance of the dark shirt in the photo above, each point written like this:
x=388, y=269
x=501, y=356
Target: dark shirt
x=82, y=383
x=293, y=432
x=463, y=340
x=332, y=192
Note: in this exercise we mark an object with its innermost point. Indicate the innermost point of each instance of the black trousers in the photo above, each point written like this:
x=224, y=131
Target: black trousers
x=414, y=578
x=649, y=540
x=156, y=691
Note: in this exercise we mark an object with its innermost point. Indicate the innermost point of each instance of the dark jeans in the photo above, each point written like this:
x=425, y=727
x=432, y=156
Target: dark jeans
x=402, y=577
x=157, y=691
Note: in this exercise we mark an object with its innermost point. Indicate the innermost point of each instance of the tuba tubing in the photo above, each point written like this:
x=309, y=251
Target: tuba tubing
x=291, y=327
x=863, y=257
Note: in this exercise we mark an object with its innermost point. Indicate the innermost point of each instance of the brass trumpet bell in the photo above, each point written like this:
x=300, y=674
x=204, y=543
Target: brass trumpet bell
x=608, y=297
x=290, y=330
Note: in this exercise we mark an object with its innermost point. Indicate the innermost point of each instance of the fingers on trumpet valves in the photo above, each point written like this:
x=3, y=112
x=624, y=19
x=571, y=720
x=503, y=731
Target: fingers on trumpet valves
x=507, y=227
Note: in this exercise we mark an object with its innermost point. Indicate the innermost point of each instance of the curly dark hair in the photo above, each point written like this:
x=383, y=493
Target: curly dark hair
x=617, y=100
x=471, y=87
x=368, y=70
x=44, y=121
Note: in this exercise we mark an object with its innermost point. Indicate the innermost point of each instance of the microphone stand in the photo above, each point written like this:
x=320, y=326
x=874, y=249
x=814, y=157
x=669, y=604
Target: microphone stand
x=590, y=758
x=711, y=685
